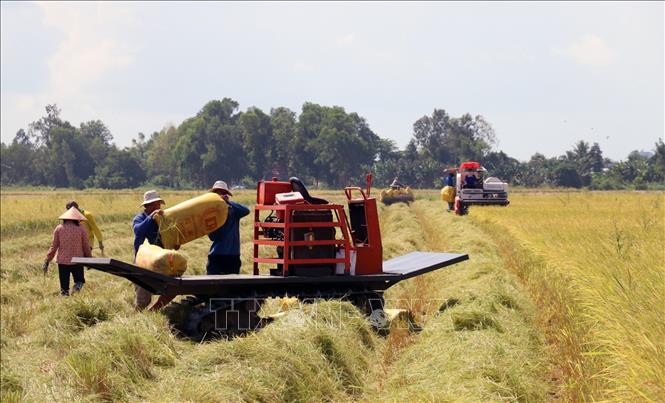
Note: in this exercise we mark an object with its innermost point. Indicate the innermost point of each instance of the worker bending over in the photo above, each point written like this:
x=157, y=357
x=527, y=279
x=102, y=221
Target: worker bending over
x=224, y=256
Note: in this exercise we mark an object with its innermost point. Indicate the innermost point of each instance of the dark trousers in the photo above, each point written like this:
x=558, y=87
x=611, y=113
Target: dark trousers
x=64, y=270
x=223, y=264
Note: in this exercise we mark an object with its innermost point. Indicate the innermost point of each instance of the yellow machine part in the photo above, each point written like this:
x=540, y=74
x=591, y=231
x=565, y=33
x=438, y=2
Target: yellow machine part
x=448, y=194
x=165, y=261
x=192, y=219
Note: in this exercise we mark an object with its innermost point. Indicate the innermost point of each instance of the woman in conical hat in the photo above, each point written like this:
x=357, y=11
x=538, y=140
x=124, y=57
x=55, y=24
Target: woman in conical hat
x=70, y=239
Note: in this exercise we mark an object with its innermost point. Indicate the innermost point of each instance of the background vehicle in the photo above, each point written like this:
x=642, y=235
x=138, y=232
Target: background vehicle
x=484, y=191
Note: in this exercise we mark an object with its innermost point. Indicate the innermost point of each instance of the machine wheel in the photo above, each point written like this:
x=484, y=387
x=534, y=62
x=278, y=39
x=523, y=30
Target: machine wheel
x=371, y=304
x=212, y=319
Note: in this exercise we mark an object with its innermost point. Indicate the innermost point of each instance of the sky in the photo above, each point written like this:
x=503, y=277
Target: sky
x=545, y=75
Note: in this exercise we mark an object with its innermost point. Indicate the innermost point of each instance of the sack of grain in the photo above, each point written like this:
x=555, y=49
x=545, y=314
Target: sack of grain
x=448, y=194
x=191, y=219
x=165, y=261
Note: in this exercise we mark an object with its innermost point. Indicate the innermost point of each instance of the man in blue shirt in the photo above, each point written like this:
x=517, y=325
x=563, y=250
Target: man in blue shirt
x=450, y=181
x=470, y=181
x=224, y=256
x=145, y=227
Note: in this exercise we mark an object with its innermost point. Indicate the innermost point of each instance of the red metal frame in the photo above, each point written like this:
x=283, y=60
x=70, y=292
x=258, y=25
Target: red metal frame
x=287, y=212
x=368, y=250
x=469, y=165
x=369, y=254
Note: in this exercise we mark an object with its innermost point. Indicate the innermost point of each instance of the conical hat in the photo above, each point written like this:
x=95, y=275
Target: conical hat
x=72, y=214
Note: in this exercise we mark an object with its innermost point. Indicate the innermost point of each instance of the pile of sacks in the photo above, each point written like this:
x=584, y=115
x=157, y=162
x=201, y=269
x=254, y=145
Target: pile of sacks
x=180, y=224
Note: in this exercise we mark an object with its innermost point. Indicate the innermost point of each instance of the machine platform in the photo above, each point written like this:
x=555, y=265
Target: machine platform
x=247, y=285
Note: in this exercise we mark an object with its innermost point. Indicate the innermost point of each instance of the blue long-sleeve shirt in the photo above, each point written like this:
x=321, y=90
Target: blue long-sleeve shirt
x=226, y=239
x=450, y=181
x=145, y=228
x=471, y=180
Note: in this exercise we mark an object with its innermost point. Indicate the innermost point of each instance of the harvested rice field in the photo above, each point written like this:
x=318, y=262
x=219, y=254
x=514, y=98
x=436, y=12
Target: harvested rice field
x=561, y=299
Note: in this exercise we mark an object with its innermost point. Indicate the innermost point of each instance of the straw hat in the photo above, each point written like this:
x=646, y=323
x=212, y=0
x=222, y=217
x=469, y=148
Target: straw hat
x=151, y=196
x=221, y=185
x=72, y=214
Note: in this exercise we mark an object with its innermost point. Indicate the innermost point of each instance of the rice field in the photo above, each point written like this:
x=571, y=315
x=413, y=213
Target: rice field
x=597, y=261
x=564, y=307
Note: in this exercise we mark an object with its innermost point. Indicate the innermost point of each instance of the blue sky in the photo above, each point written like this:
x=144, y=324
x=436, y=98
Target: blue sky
x=543, y=74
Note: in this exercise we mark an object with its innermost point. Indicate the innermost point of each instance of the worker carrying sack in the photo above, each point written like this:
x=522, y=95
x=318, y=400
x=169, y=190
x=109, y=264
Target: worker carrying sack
x=191, y=219
x=164, y=261
x=448, y=194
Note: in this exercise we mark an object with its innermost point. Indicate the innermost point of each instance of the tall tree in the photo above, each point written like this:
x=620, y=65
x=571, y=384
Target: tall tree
x=17, y=160
x=41, y=129
x=119, y=170
x=161, y=165
x=70, y=153
x=431, y=136
x=210, y=144
x=657, y=162
x=284, y=129
x=257, y=141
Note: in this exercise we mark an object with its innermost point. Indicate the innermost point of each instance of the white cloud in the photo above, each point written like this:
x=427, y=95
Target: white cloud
x=90, y=47
x=590, y=50
x=302, y=67
x=25, y=102
x=345, y=40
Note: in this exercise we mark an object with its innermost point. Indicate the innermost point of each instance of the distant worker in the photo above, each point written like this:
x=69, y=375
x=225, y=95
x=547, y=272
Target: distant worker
x=90, y=225
x=70, y=239
x=224, y=256
x=470, y=181
x=395, y=184
x=145, y=227
x=450, y=181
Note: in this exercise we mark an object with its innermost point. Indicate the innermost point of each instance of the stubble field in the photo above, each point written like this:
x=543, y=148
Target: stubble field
x=562, y=298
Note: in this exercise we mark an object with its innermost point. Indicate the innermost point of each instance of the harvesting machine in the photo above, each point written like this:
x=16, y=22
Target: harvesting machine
x=315, y=251
x=483, y=192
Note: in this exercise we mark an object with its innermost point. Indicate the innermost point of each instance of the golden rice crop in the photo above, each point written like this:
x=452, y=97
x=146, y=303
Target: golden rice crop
x=93, y=346
x=601, y=258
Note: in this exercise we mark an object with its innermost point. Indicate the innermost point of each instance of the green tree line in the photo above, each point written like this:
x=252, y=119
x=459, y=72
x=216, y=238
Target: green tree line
x=324, y=145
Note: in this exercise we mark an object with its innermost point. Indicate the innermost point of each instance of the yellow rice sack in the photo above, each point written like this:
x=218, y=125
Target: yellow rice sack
x=165, y=261
x=448, y=194
x=391, y=195
x=191, y=219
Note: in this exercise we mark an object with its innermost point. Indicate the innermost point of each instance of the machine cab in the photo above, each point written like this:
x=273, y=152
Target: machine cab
x=474, y=187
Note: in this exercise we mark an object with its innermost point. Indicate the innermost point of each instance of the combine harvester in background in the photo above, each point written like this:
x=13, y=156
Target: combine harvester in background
x=317, y=252
x=396, y=193
x=473, y=189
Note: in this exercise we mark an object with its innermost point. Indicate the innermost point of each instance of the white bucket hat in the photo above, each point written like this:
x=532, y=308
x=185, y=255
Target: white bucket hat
x=151, y=196
x=221, y=185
